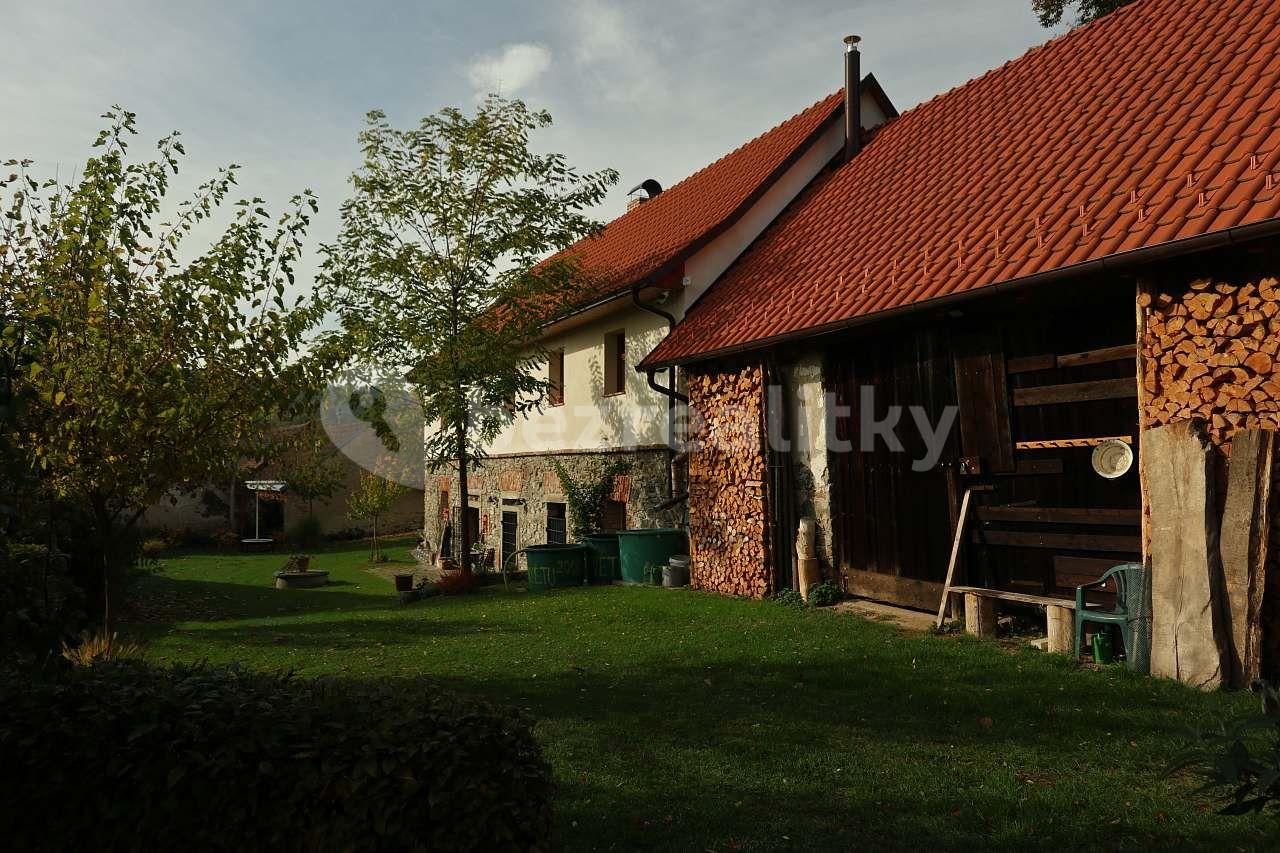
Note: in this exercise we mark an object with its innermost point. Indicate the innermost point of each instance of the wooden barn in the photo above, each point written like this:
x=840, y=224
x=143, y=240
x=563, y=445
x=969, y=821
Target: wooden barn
x=1025, y=332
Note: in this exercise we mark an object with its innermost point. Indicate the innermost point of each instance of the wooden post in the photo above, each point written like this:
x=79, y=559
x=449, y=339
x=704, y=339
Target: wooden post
x=1246, y=523
x=979, y=615
x=1062, y=626
x=1186, y=633
x=956, y=540
x=1143, y=302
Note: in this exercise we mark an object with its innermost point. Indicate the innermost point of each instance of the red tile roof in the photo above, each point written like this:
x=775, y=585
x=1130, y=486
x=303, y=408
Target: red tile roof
x=648, y=239
x=1157, y=123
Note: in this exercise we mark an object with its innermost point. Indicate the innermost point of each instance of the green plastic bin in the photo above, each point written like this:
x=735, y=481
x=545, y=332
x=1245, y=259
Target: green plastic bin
x=553, y=566
x=643, y=553
x=602, y=557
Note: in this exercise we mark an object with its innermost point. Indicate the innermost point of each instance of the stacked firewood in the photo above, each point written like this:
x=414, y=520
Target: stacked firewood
x=727, y=519
x=1211, y=355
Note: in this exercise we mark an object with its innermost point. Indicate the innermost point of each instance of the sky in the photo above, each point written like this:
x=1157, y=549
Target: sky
x=653, y=89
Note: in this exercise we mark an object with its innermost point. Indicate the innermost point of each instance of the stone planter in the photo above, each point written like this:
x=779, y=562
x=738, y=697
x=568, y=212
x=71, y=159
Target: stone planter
x=301, y=580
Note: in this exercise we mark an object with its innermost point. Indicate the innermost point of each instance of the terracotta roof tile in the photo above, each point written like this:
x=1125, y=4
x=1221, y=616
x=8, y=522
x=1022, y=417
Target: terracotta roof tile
x=645, y=240
x=1156, y=123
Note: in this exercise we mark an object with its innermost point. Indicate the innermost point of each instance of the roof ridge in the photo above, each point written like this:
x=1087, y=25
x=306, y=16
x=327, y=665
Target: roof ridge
x=1154, y=126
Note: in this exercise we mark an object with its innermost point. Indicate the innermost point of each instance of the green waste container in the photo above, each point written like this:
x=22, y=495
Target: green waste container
x=556, y=566
x=602, y=557
x=643, y=553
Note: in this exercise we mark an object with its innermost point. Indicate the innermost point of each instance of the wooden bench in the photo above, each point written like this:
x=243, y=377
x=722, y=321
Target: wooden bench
x=980, y=613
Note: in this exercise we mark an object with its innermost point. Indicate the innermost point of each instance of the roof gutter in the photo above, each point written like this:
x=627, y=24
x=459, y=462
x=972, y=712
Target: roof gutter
x=1110, y=263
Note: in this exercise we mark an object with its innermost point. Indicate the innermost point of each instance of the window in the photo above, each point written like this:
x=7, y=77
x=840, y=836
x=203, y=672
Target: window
x=555, y=375
x=614, y=515
x=556, y=524
x=615, y=363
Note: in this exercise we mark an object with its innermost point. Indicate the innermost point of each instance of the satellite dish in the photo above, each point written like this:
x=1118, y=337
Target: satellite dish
x=1112, y=458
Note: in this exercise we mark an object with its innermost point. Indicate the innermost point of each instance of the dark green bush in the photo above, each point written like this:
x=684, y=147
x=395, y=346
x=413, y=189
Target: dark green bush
x=788, y=597
x=824, y=594
x=40, y=606
x=129, y=757
x=1240, y=760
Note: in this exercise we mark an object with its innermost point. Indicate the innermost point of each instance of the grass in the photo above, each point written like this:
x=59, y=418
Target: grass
x=685, y=721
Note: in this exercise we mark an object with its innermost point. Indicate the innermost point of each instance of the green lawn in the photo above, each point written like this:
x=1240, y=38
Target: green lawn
x=685, y=721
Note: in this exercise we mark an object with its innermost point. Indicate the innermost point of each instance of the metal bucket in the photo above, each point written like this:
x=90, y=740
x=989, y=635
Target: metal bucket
x=676, y=572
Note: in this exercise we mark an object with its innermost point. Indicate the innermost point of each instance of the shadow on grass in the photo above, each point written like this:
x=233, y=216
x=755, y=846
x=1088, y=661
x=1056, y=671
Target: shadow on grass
x=838, y=757
x=342, y=633
x=160, y=599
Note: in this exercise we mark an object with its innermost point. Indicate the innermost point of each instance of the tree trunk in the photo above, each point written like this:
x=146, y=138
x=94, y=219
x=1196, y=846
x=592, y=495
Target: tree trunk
x=464, y=528
x=103, y=522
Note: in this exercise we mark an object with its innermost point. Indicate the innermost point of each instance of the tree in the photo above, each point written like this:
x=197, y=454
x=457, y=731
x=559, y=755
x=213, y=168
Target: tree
x=156, y=370
x=586, y=497
x=310, y=464
x=371, y=500
x=1051, y=12
x=437, y=272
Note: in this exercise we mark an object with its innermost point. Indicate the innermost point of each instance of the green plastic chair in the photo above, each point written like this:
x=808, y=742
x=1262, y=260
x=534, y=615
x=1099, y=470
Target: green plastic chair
x=1128, y=609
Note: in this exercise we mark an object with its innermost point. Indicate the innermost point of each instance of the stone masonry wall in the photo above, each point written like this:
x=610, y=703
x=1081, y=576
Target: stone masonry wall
x=525, y=483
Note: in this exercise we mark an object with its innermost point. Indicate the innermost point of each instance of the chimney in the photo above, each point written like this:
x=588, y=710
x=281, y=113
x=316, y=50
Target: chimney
x=852, y=97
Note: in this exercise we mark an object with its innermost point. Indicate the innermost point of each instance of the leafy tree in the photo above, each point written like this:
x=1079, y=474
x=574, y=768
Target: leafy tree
x=159, y=364
x=436, y=273
x=586, y=497
x=310, y=464
x=372, y=499
x=1051, y=12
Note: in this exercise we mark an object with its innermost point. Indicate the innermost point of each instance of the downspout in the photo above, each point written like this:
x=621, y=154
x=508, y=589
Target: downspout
x=673, y=396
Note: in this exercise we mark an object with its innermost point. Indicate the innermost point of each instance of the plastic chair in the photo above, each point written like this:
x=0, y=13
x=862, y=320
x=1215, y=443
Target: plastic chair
x=1128, y=608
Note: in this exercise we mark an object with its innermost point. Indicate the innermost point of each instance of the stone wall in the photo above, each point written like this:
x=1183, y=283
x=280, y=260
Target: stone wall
x=728, y=501
x=526, y=483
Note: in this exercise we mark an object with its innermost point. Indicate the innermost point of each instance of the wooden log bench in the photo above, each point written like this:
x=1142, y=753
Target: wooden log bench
x=980, y=613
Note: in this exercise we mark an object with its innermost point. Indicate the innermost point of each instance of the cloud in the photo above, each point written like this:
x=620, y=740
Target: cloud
x=618, y=51
x=508, y=70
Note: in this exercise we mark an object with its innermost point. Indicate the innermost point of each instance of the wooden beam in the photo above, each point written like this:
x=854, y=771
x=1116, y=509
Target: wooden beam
x=1075, y=392
x=907, y=592
x=1034, y=468
x=1142, y=299
x=956, y=541
x=1060, y=541
x=1030, y=363
x=1243, y=546
x=1070, y=572
x=1187, y=640
x=1061, y=515
x=1015, y=597
x=1060, y=443
x=1122, y=352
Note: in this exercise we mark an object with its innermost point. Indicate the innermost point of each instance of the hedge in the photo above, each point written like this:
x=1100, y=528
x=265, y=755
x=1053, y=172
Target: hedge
x=130, y=757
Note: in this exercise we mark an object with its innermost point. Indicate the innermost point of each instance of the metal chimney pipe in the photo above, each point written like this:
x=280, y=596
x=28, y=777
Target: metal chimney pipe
x=852, y=97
